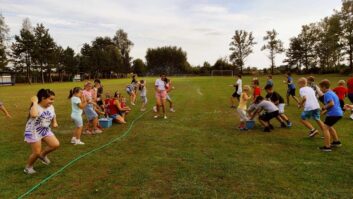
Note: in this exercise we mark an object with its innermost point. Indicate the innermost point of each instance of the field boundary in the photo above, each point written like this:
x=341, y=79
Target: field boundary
x=72, y=162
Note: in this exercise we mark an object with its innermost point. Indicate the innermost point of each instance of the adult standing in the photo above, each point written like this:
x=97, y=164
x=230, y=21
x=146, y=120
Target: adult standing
x=161, y=95
x=350, y=91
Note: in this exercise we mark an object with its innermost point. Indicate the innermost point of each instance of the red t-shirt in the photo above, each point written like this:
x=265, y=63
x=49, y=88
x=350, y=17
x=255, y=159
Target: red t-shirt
x=257, y=92
x=111, y=107
x=350, y=85
x=341, y=92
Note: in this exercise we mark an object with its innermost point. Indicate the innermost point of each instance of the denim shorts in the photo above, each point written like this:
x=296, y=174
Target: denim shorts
x=90, y=112
x=314, y=114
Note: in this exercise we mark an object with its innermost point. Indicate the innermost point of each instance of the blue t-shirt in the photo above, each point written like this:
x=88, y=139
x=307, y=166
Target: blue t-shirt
x=336, y=109
x=290, y=83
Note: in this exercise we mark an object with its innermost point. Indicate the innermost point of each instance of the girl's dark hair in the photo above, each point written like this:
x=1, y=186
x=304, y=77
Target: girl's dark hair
x=44, y=93
x=256, y=82
x=141, y=82
x=258, y=99
x=239, y=76
x=97, y=81
x=74, y=91
x=116, y=94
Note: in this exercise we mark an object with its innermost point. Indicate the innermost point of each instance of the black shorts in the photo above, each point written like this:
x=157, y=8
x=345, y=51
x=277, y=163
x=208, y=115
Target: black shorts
x=350, y=97
x=100, y=103
x=321, y=99
x=268, y=116
x=342, y=104
x=332, y=120
x=236, y=95
x=291, y=92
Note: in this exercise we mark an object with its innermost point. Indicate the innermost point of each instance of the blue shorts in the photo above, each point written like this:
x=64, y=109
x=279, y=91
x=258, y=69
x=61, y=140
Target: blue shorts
x=77, y=119
x=115, y=116
x=314, y=114
x=90, y=112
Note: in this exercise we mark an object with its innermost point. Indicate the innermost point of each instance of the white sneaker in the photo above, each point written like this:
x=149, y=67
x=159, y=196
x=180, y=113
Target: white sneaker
x=133, y=104
x=98, y=131
x=29, y=171
x=156, y=116
x=172, y=110
x=73, y=140
x=351, y=116
x=155, y=109
x=79, y=142
x=165, y=117
x=45, y=160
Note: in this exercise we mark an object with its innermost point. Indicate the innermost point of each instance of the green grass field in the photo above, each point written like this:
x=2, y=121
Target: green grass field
x=197, y=153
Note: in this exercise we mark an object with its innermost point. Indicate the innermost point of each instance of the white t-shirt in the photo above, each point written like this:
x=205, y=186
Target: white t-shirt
x=240, y=86
x=41, y=124
x=160, y=84
x=311, y=102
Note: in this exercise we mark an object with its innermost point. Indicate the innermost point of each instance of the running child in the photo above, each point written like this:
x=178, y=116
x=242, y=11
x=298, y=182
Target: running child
x=278, y=100
x=237, y=92
x=256, y=88
x=242, y=107
x=341, y=91
x=130, y=89
x=269, y=81
x=311, y=107
x=333, y=115
x=161, y=95
x=143, y=94
x=319, y=94
x=4, y=110
x=90, y=109
x=291, y=88
x=78, y=103
x=38, y=128
x=169, y=87
x=271, y=111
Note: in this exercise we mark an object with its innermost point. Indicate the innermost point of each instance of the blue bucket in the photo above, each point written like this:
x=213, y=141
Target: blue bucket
x=106, y=122
x=250, y=124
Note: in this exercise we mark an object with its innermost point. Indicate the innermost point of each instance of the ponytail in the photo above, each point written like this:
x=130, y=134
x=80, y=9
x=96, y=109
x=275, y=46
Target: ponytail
x=71, y=93
x=74, y=91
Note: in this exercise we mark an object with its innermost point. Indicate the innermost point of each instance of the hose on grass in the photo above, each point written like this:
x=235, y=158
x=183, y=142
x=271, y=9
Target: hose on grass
x=82, y=156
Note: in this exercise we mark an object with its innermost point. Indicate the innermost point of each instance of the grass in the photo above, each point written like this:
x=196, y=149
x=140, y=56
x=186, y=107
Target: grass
x=196, y=153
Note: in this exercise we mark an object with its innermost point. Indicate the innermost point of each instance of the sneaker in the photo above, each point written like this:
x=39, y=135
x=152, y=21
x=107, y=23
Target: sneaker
x=165, y=117
x=73, y=140
x=312, y=133
x=155, y=109
x=155, y=117
x=79, y=142
x=325, y=149
x=133, y=104
x=289, y=124
x=45, y=160
x=351, y=116
x=143, y=109
x=29, y=171
x=267, y=129
x=271, y=127
x=336, y=144
x=98, y=131
x=172, y=110
x=88, y=132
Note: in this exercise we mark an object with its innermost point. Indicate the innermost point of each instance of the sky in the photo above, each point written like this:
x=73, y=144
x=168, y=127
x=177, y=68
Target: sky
x=202, y=28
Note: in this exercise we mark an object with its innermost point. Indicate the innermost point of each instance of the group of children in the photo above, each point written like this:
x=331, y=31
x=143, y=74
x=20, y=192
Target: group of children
x=272, y=106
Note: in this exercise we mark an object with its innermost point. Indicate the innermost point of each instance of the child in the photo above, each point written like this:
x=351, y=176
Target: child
x=237, y=92
x=278, y=100
x=333, y=115
x=143, y=94
x=341, y=91
x=291, y=88
x=257, y=89
x=318, y=92
x=113, y=106
x=311, y=107
x=168, y=87
x=244, y=98
x=90, y=109
x=269, y=81
x=130, y=89
x=3, y=109
x=124, y=108
x=98, y=88
x=271, y=111
x=78, y=102
x=38, y=128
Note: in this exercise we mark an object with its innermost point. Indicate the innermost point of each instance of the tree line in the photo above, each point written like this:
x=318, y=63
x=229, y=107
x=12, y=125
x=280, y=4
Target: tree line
x=325, y=46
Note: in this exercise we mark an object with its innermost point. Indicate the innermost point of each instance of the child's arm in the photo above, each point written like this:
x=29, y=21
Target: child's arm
x=33, y=112
x=302, y=102
x=54, y=123
x=348, y=107
x=83, y=103
x=328, y=105
x=3, y=109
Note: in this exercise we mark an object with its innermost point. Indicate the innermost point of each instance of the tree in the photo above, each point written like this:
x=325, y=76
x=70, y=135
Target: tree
x=168, y=59
x=69, y=61
x=294, y=54
x=44, y=46
x=4, y=31
x=122, y=41
x=241, y=47
x=139, y=67
x=274, y=45
x=23, y=49
x=346, y=16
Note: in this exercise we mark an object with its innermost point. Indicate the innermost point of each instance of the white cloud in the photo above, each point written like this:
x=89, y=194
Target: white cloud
x=202, y=28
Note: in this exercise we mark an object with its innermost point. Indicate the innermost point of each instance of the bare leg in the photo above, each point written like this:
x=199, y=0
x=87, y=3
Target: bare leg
x=36, y=149
x=163, y=106
x=287, y=99
x=78, y=132
x=333, y=133
x=52, y=144
x=263, y=123
x=307, y=124
x=296, y=99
